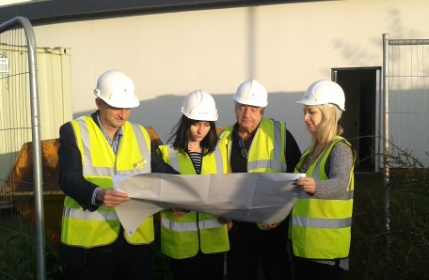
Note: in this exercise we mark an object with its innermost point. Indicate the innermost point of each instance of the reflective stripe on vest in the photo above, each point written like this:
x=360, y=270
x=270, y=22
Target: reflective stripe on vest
x=321, y=223
x=192, y=226
x=184, y=237
x=93, y=216
x=269, y=132
x=82, y=228
x=320, y=228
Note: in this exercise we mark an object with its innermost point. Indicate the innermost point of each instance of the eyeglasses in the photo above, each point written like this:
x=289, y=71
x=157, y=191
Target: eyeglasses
x=244, y=151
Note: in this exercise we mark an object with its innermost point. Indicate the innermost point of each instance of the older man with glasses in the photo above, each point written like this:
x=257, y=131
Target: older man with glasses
x=258, y=144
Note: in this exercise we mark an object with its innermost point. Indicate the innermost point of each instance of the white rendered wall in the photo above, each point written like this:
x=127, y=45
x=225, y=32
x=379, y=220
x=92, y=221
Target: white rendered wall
x=285, y=46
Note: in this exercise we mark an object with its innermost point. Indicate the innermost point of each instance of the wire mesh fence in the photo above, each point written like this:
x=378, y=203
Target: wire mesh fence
x=21, y=220
x=406, y=144
x=408, y=96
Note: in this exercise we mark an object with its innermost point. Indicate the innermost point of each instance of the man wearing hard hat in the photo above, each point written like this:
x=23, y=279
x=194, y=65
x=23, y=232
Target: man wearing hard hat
x=93, y=149
x=258, y=144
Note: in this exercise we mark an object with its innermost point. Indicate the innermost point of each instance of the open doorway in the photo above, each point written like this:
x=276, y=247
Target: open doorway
x=361, y=121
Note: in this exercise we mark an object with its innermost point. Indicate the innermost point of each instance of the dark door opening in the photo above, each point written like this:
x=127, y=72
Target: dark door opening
x=361, y=86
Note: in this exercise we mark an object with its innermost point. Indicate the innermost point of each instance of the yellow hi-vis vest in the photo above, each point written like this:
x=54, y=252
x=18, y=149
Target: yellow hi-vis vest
x=267, y=151
x=183, y=237
x=321, y=228
x=89, y=229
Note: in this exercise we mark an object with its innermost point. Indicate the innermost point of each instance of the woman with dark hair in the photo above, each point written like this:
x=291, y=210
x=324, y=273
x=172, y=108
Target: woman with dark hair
x=195, y=242
x=182, y=137
x=321, y=218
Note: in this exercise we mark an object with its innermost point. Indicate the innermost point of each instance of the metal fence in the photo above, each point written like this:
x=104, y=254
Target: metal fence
x=406, y=113
x=22, y=243
x=406, y=93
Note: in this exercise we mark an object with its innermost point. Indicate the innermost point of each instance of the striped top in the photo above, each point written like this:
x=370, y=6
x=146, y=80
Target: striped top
x=196, y=159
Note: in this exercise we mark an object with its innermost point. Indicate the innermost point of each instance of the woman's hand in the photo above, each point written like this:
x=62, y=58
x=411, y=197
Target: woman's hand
x=306, y=184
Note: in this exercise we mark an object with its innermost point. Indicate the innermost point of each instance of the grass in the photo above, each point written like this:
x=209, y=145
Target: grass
x=18, y=249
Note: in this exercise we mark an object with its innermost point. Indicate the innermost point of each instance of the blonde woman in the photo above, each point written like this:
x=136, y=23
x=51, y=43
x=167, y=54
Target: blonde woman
x=321, y=218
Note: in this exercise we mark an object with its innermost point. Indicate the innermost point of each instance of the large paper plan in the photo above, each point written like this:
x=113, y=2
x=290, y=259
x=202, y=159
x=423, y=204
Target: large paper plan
x=249, y=197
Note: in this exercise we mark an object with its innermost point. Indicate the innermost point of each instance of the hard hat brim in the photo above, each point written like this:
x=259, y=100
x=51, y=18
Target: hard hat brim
x=205, y=119
x=123, y=104
x=245, y=101
x=310, y=103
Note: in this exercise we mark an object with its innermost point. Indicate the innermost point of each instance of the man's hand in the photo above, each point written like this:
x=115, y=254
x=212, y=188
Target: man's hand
x=179, y=212
x=226, y=221
x=111, y=198
x=270, y=226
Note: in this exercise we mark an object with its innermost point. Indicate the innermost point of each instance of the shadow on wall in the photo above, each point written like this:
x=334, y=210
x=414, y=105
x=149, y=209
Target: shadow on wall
x=365, y=52
x=163, y=112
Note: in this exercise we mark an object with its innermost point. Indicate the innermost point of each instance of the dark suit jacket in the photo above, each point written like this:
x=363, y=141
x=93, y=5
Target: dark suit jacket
x=73, y=183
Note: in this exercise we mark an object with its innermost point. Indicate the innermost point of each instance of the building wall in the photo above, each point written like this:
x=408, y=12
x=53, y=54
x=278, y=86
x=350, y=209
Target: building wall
x=285, y=46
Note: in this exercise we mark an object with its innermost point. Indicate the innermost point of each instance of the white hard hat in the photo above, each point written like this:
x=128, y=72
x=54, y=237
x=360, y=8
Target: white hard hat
x=117, y=90
x=324, y=92
x=251, y=93
x=200, y=105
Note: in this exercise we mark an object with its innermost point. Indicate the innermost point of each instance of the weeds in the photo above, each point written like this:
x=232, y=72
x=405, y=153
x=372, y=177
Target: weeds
x=409, y=220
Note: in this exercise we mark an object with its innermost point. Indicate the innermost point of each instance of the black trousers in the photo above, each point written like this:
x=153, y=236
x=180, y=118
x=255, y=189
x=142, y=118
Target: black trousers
x=310, y=270
x=200, y=267
x=252, y=248
x=119, y=261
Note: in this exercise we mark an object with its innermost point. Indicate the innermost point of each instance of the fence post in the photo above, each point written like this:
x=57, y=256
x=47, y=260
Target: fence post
x=385, y=154
x=36, y=140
